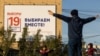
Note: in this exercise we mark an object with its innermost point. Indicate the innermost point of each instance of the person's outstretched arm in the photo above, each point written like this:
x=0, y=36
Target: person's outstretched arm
x=62, y=17
x=87, y=20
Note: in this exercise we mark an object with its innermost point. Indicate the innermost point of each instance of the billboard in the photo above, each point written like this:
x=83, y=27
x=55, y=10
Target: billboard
x=34, y=16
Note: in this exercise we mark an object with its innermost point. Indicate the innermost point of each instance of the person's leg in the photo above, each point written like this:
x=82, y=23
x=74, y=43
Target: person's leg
x=76, y=51
x=79, y=48
x=71, y=48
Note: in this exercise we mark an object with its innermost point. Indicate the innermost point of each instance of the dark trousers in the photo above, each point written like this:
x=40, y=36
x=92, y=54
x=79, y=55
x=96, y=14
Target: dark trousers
x=75, y=47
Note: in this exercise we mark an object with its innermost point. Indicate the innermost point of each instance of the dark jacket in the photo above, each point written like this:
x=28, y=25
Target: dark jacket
x=75, y=25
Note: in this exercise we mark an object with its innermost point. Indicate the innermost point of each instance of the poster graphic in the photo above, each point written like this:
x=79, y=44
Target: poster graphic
x=34, y=16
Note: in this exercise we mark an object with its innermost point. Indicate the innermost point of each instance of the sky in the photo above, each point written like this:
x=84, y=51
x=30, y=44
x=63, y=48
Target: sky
x=87, y=8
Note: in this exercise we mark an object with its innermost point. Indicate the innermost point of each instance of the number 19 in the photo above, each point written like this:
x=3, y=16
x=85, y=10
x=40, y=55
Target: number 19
x=14, y=21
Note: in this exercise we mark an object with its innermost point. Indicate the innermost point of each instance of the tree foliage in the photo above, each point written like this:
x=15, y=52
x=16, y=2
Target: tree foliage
x=28, y=48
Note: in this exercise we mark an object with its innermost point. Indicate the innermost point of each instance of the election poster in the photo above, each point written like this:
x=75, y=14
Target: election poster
x=34, y=16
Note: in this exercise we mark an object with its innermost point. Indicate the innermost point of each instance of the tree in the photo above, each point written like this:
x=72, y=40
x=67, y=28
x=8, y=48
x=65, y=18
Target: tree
x=54, y=43
x=83, y=49
x=1, y=36
x=36, y=43
x=65, y=50
x=28, y=48
x=22, y=42
x=7, y=39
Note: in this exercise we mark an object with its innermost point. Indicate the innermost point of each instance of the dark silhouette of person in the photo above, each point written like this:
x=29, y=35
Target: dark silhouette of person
x=75, y=26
